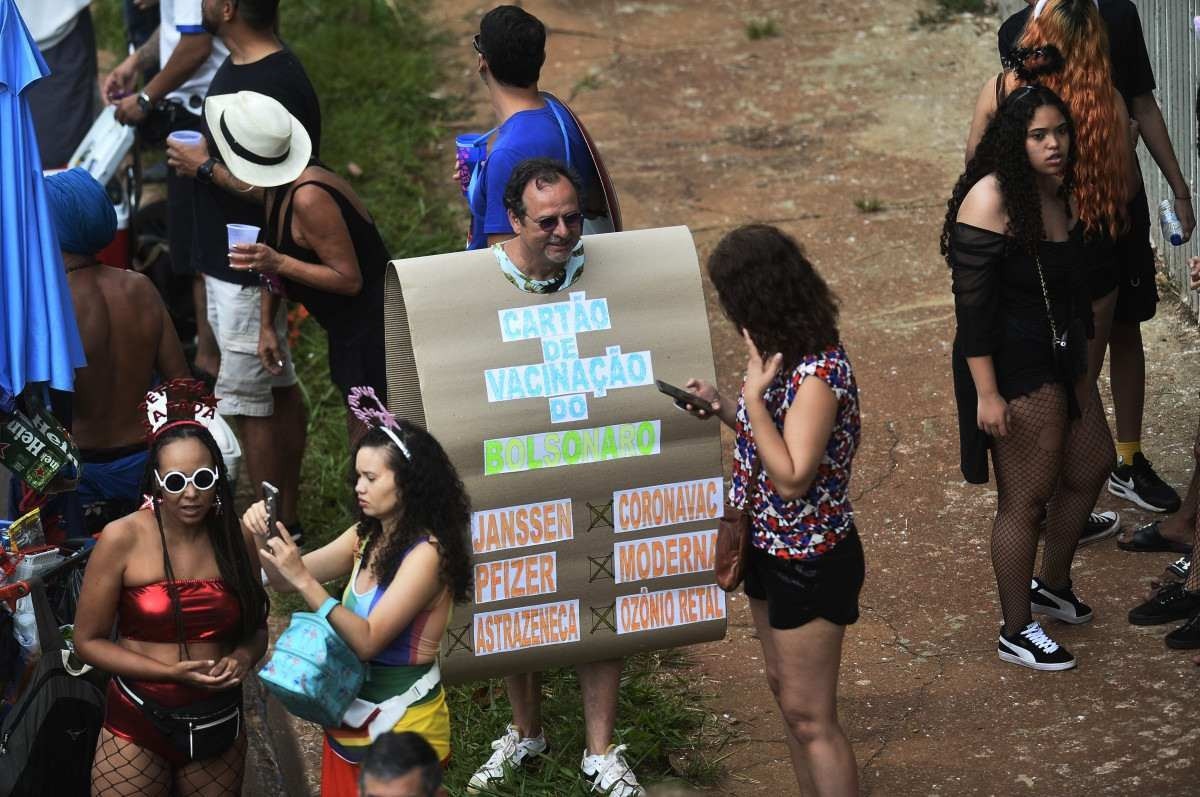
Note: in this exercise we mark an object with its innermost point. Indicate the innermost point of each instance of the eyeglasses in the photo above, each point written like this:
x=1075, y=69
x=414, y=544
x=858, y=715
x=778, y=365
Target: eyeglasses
x=550, y=223
x=175, y=482
x=475, y=44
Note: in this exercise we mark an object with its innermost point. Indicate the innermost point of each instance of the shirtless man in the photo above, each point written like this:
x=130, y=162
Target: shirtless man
x=129, y=341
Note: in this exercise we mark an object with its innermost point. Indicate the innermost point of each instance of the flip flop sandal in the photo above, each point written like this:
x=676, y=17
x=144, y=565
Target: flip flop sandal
x=1148, y=539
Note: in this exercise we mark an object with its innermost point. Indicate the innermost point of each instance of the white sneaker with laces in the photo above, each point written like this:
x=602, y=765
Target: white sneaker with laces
x=511, y=752
x=610, y=773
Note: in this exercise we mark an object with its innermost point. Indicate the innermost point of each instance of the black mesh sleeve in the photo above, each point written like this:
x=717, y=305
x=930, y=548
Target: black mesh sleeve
x=975, y=257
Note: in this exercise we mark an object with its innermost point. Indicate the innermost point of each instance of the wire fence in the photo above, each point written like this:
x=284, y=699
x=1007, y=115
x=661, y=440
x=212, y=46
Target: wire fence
x=1167, y=26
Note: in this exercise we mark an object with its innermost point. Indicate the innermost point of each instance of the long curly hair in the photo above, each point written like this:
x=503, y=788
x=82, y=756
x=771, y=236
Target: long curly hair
x=224, y=534
x=1105, y=159
x=768, y=287
x=432, y=502
x=1001, y=151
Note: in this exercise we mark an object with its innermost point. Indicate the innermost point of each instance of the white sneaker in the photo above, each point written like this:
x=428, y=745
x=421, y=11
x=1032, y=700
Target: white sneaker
x=511, y=752
x=610, y=773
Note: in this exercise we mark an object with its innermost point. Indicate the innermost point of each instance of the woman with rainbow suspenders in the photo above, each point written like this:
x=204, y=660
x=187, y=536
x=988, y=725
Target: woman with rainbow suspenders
x=408, y=561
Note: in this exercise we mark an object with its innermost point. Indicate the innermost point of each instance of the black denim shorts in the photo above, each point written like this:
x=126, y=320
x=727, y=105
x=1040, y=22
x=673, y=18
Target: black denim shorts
x=800, y=590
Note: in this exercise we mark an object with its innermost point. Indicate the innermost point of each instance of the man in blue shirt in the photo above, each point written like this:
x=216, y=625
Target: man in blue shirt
x=512, y=48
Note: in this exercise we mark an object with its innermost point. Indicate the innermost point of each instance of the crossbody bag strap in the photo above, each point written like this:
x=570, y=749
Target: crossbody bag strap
x=1057, y=341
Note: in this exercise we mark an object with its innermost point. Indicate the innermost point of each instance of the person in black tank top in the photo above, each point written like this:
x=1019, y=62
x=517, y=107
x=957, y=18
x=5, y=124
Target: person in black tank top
x=324, y=251
x=1012, y=240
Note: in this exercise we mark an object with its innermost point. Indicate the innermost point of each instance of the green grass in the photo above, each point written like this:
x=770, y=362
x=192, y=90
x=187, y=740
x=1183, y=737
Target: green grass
x=672, y=738
x=761, y=29
x=869, y=205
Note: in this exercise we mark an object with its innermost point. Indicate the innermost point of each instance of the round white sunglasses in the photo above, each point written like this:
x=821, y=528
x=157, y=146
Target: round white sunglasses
x=175, y=482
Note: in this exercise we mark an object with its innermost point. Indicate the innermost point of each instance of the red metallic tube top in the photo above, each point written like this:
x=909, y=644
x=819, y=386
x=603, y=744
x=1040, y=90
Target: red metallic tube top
x=211, y=612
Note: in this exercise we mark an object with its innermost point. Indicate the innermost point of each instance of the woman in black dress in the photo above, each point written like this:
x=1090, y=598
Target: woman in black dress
x=1013, y=242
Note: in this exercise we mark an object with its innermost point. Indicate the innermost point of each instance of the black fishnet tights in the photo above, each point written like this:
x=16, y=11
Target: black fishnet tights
x=124, y=769
x=1089, y=457
x=1027, y=462
x=1035, y=479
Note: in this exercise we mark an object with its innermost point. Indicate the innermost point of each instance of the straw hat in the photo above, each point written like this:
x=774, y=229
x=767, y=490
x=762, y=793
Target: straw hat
x=260, y=142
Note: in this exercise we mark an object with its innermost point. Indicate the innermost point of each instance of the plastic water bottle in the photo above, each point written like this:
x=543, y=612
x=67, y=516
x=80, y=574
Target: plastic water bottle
x=1172, y=230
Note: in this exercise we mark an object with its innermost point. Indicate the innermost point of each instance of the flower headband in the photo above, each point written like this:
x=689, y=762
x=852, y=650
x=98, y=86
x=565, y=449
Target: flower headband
x=179, y=402
x=365, y=405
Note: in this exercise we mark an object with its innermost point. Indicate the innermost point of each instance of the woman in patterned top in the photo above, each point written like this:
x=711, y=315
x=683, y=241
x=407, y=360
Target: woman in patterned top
x=797, y=426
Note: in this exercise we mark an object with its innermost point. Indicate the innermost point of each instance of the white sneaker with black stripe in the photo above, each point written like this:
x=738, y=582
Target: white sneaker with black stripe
x=1034, y=649
x=1061, y=604
x=610, y=774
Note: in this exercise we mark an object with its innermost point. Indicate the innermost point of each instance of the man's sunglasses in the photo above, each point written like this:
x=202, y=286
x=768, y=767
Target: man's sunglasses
x=475, y=44
x=550, y=223
x=176, y=482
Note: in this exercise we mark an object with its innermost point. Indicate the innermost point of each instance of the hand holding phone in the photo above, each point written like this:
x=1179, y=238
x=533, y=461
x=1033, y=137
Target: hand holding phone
x=683, y=397
x=271, y=499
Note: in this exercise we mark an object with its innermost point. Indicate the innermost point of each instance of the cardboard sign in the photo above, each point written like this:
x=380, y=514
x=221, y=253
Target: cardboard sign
x=594, y=499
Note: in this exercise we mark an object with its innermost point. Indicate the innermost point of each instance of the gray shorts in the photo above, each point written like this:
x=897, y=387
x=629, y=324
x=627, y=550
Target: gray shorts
x=243, y=384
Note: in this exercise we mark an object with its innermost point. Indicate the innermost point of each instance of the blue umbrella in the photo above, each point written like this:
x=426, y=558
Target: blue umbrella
x=39, y=339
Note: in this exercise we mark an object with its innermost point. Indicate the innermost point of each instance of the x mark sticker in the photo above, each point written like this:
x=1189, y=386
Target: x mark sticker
x=603, y=616
x=601, y=515
x=460, y=639
x=601, y=568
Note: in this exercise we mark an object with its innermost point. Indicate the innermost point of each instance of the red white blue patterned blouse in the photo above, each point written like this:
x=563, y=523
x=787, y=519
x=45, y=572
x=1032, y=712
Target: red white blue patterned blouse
x=809, y=526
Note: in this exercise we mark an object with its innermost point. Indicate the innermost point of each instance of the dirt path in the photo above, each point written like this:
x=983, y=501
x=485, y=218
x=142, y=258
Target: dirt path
x=704, y=127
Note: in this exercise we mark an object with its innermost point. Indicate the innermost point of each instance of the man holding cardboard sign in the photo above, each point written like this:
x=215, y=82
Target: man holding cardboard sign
x=541, y=199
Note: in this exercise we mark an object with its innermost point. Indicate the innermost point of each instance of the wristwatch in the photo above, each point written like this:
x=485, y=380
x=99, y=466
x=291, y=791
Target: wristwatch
x=144, y=102
x=205, y=172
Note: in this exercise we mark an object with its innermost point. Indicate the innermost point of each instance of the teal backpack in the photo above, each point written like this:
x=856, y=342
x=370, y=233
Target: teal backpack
x=313, y=672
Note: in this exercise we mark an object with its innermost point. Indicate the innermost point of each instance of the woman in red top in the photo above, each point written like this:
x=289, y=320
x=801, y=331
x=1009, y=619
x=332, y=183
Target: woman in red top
x=181, y=582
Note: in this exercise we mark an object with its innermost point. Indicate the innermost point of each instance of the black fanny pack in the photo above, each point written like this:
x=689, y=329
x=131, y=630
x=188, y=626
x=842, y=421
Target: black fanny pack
x=201, y=730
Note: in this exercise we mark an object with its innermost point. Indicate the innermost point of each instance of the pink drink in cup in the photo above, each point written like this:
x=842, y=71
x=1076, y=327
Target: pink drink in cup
x=470, y=149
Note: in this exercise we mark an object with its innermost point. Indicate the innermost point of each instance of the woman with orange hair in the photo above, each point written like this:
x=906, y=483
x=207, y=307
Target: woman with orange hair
x=1064, y=48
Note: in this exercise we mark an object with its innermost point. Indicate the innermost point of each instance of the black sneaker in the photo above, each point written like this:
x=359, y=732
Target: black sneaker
x=1137, y=482
x=1099, y=526
x=1172, y=602
x=1032, y=648
x=1186, y=636
x=1181, y=567
x=1060, y=604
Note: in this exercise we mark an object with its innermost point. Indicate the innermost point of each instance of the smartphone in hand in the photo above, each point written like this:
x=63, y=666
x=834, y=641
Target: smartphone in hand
x=271, y=499
x=683, y=397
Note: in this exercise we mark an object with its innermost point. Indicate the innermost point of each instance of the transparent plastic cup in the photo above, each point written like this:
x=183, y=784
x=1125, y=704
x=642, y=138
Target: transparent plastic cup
x=241, y=234
x=186, y=137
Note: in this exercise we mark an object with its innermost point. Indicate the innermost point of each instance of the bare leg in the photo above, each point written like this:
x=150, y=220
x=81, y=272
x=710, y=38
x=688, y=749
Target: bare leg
x=1182, y=524
x=122, y=768
x=274, y=447
x=290, y=425
x=208, y=355
x=1102, y=314
x=600, y=683
x=802, y=671
x=525, y=695
x=1127, y=372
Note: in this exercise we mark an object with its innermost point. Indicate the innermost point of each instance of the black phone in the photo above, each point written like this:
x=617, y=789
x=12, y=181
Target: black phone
x=271, y=499
x=683, y=397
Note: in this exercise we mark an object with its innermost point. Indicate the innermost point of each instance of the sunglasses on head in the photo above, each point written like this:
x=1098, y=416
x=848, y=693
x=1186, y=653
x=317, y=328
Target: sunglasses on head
x=550, y=223
x=175, y=482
